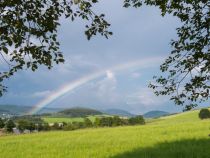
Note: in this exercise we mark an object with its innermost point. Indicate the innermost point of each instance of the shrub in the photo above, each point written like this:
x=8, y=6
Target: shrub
x=88, y=122
x=1, y=123
x=78, y=125
x=45, y=127
x=56, y=126
x=9, y=126
x=25, y=124
x=138, y=120
x=204, y=114
x=68, y=127
x=97, y=122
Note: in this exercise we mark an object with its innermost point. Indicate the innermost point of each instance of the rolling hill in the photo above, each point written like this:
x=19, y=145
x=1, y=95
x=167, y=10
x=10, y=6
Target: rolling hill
x=22, y=110
x=78, y=112
x=118, y=112
x=182, y=135
x=155, y=114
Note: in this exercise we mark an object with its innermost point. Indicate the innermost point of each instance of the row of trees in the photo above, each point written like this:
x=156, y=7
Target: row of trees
x=25, y=124
x=105, y=122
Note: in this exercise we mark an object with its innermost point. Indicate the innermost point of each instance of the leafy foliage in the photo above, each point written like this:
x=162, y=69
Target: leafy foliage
x=88, y=122
x=204, y=114
x=138, y=120
x=187, y=69
x=28, y=31
x=117, y=121
x=1, y=123
x=9, y=125
x=25, y=124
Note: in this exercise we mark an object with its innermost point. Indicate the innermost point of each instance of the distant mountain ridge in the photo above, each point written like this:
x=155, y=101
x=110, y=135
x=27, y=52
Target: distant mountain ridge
x=118, y=112
x=21, y=110
x=155, y=114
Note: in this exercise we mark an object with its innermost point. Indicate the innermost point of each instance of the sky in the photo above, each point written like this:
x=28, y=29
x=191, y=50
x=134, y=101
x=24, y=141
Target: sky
x=126, y=63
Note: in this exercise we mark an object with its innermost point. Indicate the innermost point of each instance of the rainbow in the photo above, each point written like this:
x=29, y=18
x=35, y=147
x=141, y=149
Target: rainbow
x=70, y=86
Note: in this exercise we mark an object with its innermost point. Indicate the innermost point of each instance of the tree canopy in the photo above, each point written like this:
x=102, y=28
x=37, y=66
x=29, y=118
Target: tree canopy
x=28, y=39
x=186, y=72
x=28, y=31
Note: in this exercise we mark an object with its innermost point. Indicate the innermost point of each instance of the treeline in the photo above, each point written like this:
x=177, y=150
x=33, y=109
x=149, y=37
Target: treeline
x=25, y=123
x=105, y=122
x=35, y=124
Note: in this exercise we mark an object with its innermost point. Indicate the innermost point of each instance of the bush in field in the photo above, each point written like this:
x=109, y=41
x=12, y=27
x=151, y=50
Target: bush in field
x=97, y=122
x=117, y=121
x=68, y=127
x=25, y=124
x=78, y=125
x=45, y=127
x=9, y=125
x=138, y=120
x=88, y=122
x=204, y=114
x=1, y=123
x=39, y=126
x=56, y=126
x=106, y=121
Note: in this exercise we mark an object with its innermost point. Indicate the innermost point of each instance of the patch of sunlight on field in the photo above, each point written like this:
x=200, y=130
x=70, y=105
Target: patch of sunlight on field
x=66, y=119
x=71, y=119
x=169, y=137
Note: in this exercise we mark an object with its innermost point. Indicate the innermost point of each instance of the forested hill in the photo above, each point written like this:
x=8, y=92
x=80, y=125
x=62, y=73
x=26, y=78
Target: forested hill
x=79, y=112
x=155, y=114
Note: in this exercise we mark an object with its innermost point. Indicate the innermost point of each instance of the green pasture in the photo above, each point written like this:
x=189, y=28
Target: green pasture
x=69, y=119
x=177, y=136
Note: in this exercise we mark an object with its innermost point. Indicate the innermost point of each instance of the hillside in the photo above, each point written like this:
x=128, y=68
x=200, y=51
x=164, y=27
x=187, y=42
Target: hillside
x=21, y=110
x=79, y=112
x=118, y=112
x=182, y=135
x=155, y=114
x=14, y=109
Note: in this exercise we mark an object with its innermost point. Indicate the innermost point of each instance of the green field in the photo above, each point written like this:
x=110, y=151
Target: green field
x=69, y=119
x=176, y=136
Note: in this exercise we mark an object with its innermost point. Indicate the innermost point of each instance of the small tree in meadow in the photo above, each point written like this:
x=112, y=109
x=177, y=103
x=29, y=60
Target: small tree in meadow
x=97, y=122
x=137, y=120
x=1, y=123
x=23, y=124
x=68, y=127
x=56, y=126
x=88, y=122
x=204, y=114
x=9, y=126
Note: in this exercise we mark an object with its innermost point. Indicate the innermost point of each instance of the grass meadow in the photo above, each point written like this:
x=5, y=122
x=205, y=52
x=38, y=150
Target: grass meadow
x=54, y=119
x=177, y=136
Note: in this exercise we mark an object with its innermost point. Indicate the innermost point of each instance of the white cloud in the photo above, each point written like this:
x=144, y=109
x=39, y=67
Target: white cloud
x=41, y=93
x=146, y=97
x=135, y=75
x=106, y=89
x=110, y=74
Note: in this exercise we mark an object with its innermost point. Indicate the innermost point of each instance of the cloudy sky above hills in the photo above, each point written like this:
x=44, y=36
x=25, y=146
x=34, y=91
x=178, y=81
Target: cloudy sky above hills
x=128, y=60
